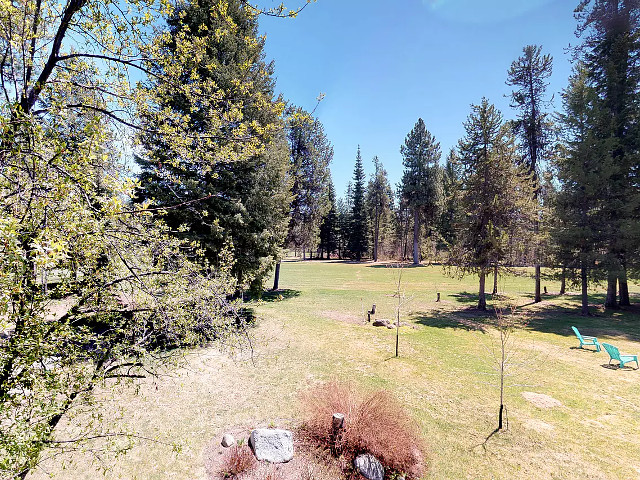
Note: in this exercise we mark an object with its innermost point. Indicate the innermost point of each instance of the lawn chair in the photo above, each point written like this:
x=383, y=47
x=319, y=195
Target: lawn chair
x=614, y=354
x=586, y=340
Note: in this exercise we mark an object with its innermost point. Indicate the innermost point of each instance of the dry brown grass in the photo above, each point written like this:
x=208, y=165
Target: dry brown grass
x=375, y=423
x=237, y=460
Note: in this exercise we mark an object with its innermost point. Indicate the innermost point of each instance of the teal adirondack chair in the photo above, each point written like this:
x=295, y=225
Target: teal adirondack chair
x=615, y=354
x=586, y=340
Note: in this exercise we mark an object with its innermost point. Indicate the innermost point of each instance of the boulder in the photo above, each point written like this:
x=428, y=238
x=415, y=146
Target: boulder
x=228, y=440
x=369, y=467
x=272, y=444
x=383, y=322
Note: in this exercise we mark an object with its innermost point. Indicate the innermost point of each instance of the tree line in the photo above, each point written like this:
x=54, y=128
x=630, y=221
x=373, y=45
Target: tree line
x=553, y=189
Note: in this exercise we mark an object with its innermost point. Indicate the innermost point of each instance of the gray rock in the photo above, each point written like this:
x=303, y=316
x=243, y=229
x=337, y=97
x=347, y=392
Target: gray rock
x=380, y=323
x=369, y=467
x=228, y=440
x=391, y=326
x=272, y=444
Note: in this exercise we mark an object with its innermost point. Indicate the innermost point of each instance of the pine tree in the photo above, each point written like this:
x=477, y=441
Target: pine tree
x=496, y=194
x=528, y=74
x=311, y=154
x=451, y=190
x=420, y=182
x=242, y=202
x=610, y=54
x=359, y=228
x=578, y=231
x=378, y=202
x=329, y=227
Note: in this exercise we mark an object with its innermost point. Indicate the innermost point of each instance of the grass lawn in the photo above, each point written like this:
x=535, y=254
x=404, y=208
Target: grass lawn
x=315, y=329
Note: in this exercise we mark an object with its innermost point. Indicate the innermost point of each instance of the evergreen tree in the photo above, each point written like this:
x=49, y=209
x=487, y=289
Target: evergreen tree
x=344, y=223
x=528, y=74
x=359, y=229
x=451, y=190
x=378, y=202
x=579, y=210
x=311, y=154
x=420, y=182
x=610, y=54
x=242, y=203
x=496, y=194
x=329, y=227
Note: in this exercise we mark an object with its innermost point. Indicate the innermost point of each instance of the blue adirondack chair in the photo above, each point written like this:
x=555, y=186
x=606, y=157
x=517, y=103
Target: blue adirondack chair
x=586, y=340
x=614, y=354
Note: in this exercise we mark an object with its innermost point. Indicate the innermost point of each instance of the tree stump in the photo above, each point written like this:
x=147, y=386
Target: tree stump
x=438, y=299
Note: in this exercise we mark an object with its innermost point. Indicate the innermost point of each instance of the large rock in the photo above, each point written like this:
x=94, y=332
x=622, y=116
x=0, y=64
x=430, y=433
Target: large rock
x=383, y=322
x=369, y=467
x=272, y=444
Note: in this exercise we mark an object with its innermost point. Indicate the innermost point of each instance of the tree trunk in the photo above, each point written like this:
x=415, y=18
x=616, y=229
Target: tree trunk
x=482, y=301
x=538, y=296
x=416, y=234
x=585, y=297
x=495, y=280
x=563, y=281
x=624, y=287
x=612, y=284
x=276, y=278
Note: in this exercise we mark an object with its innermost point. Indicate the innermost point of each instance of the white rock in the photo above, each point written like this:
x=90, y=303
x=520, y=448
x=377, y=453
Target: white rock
x=369, y=467
x=272, y=444
x=228, y=440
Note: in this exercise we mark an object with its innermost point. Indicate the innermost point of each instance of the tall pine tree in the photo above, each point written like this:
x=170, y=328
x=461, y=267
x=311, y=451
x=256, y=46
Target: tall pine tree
x=420, y=180
x=311, y=154
x=378, y=201
x=529, y=74
x=496, y=194
x=243, y=202
x=359, y=231
x=610, y=53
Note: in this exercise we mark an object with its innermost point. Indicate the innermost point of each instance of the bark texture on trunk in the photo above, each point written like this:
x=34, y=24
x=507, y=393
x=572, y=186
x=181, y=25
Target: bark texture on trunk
x=563, y=281
x=624, y=288
x=482, y=301
x=538, y=296
x=585, y=297
x=612, y=291
x=495, y=280
x=416, y=233
x=276, y=277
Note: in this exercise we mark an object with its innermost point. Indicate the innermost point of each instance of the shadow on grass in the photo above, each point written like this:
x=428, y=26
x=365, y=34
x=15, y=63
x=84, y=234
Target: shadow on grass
x=547, y=317
x=279, y=295
x=469, y=319
x=395, y=265
x=611, y=366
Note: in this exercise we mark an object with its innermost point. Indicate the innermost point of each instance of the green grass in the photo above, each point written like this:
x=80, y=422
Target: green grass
x=314, y=329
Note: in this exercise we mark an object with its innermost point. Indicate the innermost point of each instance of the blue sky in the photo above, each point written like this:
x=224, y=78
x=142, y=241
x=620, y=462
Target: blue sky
x=382, y=64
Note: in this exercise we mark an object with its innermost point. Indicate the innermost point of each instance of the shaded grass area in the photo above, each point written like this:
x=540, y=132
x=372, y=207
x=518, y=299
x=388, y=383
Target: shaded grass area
x=315, y=330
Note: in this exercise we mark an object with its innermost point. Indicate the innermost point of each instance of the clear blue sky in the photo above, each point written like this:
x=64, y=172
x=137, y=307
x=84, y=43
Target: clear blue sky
x=382, y=64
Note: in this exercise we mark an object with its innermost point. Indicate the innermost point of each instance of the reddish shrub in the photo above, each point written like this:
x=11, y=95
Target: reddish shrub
x=374, y=423
x=237, y=460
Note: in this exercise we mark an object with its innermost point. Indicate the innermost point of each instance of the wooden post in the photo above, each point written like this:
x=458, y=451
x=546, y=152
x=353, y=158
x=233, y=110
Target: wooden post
x=337, y=424
x=438, y=299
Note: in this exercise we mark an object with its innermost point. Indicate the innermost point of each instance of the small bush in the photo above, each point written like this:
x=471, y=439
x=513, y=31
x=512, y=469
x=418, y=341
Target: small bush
x=237, y=460
x=374, y=423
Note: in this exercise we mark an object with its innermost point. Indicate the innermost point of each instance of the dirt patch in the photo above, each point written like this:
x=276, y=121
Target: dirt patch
x=538, y=425
x=307, y=461
x=343, y=317
x=541, y=400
